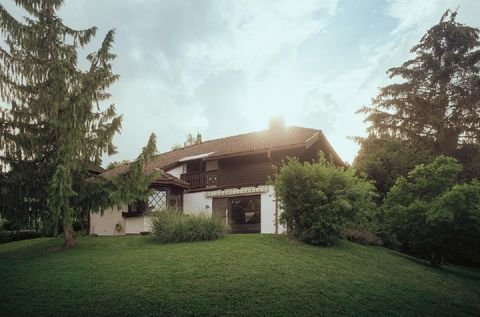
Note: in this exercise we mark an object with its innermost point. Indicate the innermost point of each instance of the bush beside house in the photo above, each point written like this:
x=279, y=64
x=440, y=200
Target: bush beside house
x=320, y=199
x=174, y=226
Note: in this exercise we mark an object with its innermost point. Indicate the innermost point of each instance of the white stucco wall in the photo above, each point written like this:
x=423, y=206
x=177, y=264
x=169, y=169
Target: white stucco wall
x=194, y=203
x=147, y=223
x=267, y=202
x=105, y=224
x=134, y=225
x=177, y=171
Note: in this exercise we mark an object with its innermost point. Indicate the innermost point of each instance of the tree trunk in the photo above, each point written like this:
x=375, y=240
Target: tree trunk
x=68, y=241
x=55, y=228
x=446, y=142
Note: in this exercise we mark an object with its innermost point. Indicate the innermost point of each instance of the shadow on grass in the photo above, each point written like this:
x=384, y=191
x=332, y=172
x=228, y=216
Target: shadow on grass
x=29, y=248
x=465, y=272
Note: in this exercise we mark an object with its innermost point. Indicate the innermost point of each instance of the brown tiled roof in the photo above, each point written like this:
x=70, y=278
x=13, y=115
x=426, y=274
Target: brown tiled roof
x=232, y=146
x=96, y=169
x=169, y=179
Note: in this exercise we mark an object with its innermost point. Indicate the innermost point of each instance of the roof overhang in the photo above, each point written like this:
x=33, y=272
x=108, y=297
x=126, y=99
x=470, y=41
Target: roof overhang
x=195, y=157
x=168, y=179
x=262, y=151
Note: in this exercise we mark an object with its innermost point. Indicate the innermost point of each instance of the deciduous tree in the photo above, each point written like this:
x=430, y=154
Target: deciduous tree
x=385, y=159
x=432, y=216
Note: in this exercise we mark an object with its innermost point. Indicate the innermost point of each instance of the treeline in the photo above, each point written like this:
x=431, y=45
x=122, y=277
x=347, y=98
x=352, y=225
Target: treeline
x=419, y=165
x=423, y=151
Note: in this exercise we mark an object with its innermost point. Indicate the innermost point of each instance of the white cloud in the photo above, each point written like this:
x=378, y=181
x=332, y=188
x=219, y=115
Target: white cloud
x=223, y=67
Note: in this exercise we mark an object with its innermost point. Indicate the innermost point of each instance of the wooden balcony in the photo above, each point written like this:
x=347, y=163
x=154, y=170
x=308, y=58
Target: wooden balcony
x=201, y=180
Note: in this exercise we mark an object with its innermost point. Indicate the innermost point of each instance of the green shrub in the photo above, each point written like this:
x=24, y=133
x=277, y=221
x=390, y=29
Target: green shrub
x=3, y=224
x=362, y=236
x=432, y=217
x=320, y=199
x=25, y=234
x=173, y=226
x=385, y=159
x=7, y=236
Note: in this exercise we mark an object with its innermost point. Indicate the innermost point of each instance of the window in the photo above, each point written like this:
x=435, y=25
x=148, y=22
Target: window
x=195, y=166
x=245, y=211
x=137, y=207
x=157, y=201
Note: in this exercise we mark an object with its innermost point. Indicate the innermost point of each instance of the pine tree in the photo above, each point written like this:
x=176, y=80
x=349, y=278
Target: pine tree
x=55, y=120
x=437, y=106
x=192, y=140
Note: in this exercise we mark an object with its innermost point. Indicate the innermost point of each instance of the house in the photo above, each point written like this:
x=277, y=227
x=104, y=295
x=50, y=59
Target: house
x=226, y=177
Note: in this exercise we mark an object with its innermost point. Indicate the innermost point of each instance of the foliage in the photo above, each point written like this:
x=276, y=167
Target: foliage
x=431, y=216
x=239, y=275
x=173, y=226
x=193, y=140
x=134, y=184
x=3, y=223
x=5, y=236
x=469, y=156
x=437, y=106
x=114, y=164
x=9, y=236
x=57, y=123
x=362, y=236
x=455, y=217
x=96, y=194
x=60, y=195
x=383, y=160
x=190, y=140
x=319, y=199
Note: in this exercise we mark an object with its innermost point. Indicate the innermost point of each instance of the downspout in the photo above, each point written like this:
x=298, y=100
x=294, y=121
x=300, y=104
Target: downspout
x=277, y=167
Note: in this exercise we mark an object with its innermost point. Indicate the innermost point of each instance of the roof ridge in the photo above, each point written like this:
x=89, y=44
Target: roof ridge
x=233, y=136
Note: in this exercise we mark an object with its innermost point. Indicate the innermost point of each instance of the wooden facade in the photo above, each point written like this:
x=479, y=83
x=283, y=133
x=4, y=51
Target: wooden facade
x=203, y=179
x=245, y=171
x=232, y=173
x=240, y=171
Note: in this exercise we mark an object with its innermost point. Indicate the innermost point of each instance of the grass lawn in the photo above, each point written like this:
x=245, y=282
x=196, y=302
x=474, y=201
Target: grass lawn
x=247, y=275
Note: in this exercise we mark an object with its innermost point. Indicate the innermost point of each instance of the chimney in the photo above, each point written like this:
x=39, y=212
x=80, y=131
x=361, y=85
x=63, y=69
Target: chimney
x=276, y=124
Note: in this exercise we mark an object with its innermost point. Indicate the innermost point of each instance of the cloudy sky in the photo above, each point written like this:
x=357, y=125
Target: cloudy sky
x=225, y=67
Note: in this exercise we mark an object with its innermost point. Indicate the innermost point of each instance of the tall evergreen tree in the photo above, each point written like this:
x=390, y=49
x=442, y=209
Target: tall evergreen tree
x=55, y=120
x=437, y=105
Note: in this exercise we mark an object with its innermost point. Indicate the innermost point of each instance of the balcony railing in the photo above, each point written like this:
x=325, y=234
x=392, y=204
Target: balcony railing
x=201, y=180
